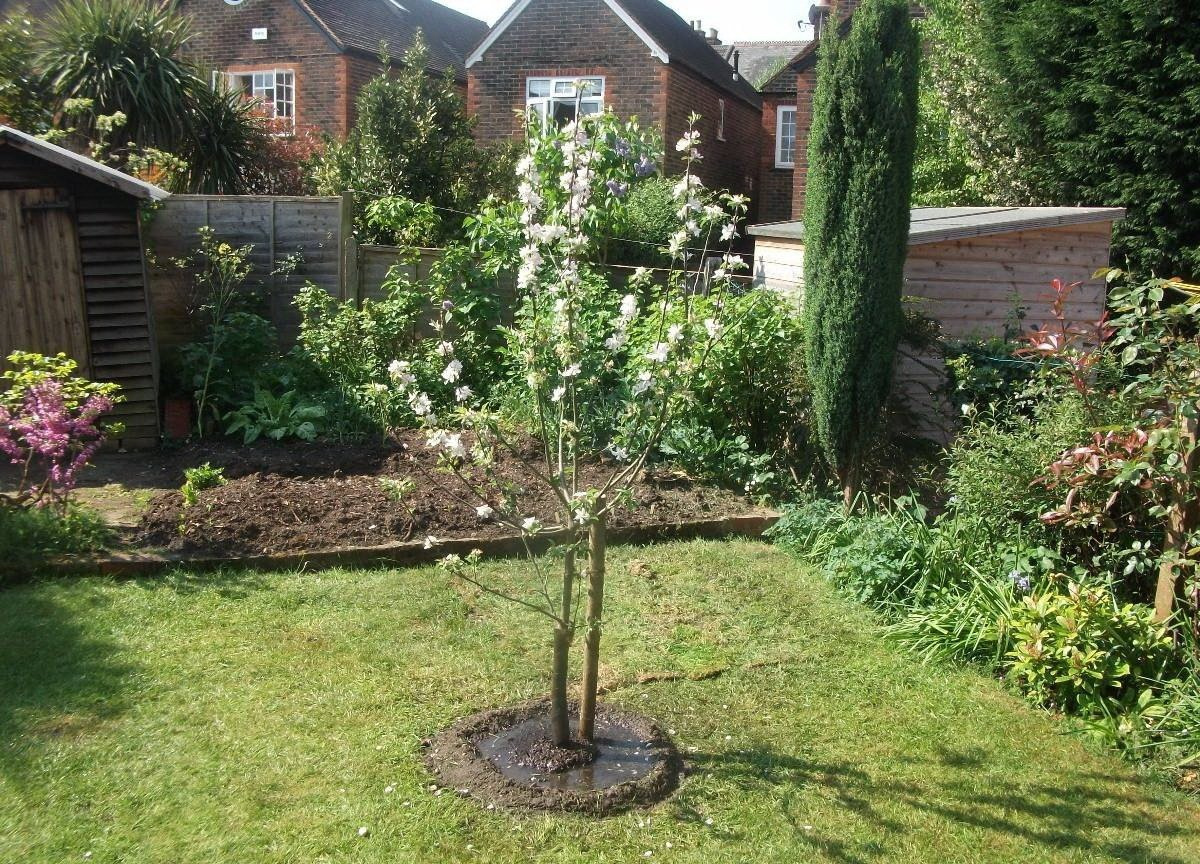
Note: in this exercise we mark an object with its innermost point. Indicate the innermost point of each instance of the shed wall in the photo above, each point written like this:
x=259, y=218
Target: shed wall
x=974, y=287
x=117, y=306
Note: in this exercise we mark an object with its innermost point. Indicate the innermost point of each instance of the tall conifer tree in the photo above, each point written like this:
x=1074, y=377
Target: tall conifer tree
x=856, y=225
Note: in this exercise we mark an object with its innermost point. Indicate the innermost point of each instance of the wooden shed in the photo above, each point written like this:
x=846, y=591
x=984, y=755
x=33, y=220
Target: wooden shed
x=72, y=274
x=977, y=270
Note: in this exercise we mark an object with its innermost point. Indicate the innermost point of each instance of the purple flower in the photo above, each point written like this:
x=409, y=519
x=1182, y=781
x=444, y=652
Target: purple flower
x=1020, y=580
x=617, y=188
x=622, y=148
x=645, y=167
x=447, y=305
x=47, y=434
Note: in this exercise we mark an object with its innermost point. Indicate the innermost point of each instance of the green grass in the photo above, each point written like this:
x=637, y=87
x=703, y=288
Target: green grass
x=259, y=717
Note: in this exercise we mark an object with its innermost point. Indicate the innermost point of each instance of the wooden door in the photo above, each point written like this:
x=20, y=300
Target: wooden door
x=41, y=281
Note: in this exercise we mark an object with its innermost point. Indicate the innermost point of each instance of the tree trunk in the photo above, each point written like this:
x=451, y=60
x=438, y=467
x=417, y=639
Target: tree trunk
x=597, y=547
x=560, y=720
x=851, y=478
x=1181, y=520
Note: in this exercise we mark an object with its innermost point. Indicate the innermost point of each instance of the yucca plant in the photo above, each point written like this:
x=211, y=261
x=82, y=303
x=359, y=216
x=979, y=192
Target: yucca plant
x=226, y=141
x=125, y=56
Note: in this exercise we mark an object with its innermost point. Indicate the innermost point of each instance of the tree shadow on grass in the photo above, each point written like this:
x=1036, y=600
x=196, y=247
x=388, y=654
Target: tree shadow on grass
x=58, y=680
x=1063, y=815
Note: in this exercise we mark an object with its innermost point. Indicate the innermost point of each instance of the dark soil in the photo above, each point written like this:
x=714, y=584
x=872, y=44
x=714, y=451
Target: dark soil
x=308, y=497
x=499, y=757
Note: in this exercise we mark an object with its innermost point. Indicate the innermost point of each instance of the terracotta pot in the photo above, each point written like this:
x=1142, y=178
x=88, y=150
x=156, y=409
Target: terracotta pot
x=177, y=418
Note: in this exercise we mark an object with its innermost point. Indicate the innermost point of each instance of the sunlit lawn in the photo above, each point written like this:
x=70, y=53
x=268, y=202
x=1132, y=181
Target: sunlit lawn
x=261, y=717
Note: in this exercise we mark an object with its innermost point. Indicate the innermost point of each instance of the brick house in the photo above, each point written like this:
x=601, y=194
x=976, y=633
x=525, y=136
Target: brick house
x=307, y=59
x=638, y=58
x=768, y=66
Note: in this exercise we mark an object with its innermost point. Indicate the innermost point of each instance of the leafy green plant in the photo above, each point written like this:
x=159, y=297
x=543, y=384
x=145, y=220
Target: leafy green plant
x=397, y=488
x=199, y=478
x=1076, y=649
x=400, y=221
x=28, y=535
x=276, y=417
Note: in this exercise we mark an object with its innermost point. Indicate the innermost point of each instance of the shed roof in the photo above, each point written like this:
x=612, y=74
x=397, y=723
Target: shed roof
x=669, y=38
x=934, y=224
x=81, y=165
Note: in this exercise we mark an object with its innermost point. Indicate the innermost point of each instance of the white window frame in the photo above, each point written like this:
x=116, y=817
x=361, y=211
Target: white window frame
x=257, y=93
x=779, y=112
x=556, y=91
x=720, y=119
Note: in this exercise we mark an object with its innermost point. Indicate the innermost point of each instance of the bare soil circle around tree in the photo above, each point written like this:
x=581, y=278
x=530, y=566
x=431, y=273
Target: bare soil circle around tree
x=505, y=759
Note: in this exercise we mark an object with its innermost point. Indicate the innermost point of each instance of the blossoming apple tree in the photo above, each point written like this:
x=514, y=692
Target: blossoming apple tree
x=572, y=183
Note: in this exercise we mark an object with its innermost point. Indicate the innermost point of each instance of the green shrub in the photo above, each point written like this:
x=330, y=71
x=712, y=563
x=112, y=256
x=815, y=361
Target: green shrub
x=275, y=417
x=1075, y=649
x=28, y=535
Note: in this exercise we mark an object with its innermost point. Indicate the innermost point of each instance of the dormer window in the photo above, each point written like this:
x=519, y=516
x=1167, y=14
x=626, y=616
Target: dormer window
x=554, y=99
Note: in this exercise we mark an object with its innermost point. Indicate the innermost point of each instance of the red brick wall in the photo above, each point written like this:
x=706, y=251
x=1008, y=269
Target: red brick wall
x=547, y=33
x=731, y=163
x=775, y=184
x=805, y=83
x=222, y=40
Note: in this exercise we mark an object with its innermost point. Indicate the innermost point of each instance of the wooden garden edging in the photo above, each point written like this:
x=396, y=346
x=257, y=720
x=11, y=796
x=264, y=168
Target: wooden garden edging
x=407, y=553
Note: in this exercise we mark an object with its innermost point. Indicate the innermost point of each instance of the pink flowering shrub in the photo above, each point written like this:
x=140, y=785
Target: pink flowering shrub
x=50, y=426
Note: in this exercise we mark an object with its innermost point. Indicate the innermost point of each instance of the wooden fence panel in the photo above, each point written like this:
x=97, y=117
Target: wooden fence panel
x=310, y=228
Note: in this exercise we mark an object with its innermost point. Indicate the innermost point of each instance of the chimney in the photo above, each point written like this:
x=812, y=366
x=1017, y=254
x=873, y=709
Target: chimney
x=713, y=38
x=737, y=56
x=817, y=14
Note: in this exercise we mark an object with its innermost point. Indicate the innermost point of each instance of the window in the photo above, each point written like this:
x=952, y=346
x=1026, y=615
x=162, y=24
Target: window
x=553, y=99
x=785, y=137
x=274, y=88
x=720, y=119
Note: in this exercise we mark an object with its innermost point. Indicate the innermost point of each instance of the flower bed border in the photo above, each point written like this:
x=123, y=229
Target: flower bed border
x=751, y=525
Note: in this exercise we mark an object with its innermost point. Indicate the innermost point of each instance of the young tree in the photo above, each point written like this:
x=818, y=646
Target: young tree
x=571, y=181
x=856, y=225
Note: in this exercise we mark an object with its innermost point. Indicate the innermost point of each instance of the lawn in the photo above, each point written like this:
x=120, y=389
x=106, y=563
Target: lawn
x=246, y=717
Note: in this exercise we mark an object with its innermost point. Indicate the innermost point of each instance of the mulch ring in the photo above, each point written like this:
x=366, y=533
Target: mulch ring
x=493, y=757
x=310, y=497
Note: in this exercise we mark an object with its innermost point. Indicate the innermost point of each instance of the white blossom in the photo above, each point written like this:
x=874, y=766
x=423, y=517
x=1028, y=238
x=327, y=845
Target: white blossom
x=571, y=371
x=629, y=303
x=659, y=353
x=445, y=348
x=431, y=541
x=618, y=453
x=714, y=328
x=674, y=333
x=531, y=524
x=483, y=511
x=463, y=393
x=421, y=405
x=558, y=393
x=452, y=372
x=645, y=382
x=689, y=140
x=454, y=447
x=728, y=232
x=397, y=368
x=616, y=341
x=582, y=516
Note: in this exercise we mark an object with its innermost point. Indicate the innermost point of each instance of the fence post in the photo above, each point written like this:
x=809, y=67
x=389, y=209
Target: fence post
x=348, y=285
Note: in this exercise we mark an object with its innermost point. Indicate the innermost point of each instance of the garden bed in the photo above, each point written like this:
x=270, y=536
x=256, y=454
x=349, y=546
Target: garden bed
x=311, y=497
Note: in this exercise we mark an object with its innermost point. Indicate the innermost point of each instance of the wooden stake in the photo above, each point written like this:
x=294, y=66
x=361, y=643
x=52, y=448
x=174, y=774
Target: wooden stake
x=597, y=547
